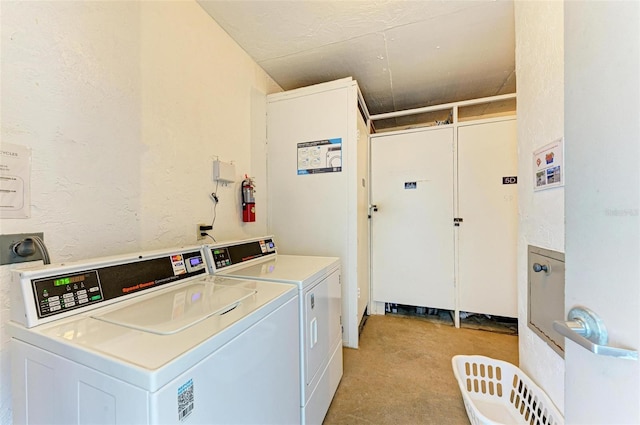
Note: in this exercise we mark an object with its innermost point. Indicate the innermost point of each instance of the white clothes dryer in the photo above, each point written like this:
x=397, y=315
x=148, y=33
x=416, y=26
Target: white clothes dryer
x=318, y=282
x=152, y=339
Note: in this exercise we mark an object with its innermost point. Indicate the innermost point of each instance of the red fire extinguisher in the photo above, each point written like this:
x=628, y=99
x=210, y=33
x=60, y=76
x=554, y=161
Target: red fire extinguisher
x=248, y=200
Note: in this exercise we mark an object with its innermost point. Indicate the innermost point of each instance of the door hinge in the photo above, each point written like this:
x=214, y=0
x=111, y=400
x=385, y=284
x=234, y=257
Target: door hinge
x=457, y=221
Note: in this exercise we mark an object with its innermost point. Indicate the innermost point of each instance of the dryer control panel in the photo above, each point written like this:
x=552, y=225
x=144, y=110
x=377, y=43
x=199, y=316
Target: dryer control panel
x=236, y=253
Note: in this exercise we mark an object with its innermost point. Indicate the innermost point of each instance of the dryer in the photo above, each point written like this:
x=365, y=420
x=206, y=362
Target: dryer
x=317, y=280
x=152, y=338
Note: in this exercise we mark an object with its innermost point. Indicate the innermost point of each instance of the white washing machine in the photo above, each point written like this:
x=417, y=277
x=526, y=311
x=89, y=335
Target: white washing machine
x=152, y=339
x=320, y=333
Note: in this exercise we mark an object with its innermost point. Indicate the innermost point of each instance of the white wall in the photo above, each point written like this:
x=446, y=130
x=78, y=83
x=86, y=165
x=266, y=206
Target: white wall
x=540, y=71
x=125, y=105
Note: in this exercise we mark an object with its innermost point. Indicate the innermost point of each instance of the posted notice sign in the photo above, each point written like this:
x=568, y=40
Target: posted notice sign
x=548, y=166
x=320, y=156
x=15, y=183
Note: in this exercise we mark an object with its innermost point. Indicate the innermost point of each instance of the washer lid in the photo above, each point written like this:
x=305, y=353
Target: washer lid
x=301, y=270
x=179, y=309
x=150, y=360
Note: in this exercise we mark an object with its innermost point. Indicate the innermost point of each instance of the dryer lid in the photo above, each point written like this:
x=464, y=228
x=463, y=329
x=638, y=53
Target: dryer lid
x=174, y=311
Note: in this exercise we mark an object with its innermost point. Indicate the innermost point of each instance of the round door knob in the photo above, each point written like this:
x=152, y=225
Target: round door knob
x=537, y=267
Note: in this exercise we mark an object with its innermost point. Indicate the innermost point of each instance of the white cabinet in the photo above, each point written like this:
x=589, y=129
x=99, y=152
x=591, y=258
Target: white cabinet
x=412, y=227
x=421, y=181
x=317, y=193
x=488, y=206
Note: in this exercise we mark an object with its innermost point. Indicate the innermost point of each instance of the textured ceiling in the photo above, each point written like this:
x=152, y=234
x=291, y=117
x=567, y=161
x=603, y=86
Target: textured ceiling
x=404, y=54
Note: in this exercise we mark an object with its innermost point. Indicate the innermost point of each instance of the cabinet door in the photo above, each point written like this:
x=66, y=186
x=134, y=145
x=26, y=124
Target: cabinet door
x=412, y=231
x=488, y=205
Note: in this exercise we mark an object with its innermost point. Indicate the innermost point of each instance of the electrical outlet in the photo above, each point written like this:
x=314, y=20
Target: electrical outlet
x=199, y=237
x=7, y=256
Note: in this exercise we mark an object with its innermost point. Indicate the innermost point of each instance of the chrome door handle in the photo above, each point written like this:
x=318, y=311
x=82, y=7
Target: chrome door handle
x=585, y=328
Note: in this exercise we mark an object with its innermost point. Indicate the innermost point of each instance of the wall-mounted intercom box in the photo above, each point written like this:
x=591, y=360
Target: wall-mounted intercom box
x=224, y=172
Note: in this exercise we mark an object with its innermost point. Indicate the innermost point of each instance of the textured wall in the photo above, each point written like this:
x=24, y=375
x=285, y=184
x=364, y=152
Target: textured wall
x=125, y=105
x=540, y=73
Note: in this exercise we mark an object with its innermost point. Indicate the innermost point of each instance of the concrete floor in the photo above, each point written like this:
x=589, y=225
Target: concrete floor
x=402, y=373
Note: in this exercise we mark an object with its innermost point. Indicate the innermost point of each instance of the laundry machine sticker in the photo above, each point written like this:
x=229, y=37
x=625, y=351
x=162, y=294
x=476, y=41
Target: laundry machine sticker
x=185, y=400
x=177, y=261
x=320, y=156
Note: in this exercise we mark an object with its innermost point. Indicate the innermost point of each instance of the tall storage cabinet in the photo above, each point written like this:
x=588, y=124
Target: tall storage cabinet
x=488, y=206
x=445, y=231
x=412, y=227
x=317, y=184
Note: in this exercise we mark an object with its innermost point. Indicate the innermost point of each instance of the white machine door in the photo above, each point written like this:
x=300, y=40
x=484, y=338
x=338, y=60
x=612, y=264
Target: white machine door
x=412, y=230
x=322, y=324
x=488, y=206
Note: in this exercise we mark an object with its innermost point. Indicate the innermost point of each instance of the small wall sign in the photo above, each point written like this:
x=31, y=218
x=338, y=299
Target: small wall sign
x=15, y=181
x=548, y=166
x=510, y=180
x=410, y=185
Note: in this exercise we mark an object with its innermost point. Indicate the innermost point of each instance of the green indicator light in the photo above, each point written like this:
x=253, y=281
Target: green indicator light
x=95, y=297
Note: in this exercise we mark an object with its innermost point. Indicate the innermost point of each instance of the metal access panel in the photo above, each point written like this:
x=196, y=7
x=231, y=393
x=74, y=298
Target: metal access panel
x=546, y=295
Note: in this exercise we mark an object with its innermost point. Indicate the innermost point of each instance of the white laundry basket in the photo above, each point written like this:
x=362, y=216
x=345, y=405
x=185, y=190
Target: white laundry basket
x=497, y=392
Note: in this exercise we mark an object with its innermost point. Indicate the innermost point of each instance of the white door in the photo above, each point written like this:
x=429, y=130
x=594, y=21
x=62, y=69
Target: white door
x=412, y=230
x=488, y=206
x=602, y=158
x=362, y=184
x=322, y=326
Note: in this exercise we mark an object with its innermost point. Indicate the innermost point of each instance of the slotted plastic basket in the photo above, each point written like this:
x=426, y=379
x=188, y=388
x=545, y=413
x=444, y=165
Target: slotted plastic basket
x=497, y=392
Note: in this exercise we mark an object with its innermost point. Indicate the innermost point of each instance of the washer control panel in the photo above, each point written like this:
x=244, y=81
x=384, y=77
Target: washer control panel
x=65, y=292
x=58, y=292
x=226, y=256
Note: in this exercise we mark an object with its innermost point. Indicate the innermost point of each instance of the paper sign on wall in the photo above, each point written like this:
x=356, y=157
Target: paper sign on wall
x=321, y=156
x=15, y=181
x=548, y=166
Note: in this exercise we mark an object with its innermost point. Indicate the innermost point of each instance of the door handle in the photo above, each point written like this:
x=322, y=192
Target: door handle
x=585, y=328
x=537, y=267
x=313, y=332
x=372, y=208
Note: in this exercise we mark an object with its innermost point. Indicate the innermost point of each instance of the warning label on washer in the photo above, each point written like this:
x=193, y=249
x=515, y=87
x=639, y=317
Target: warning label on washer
x=185, y=400
x=321, y=156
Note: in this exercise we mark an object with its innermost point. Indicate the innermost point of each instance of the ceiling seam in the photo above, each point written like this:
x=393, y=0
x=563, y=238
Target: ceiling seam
x=346, y=40
x=504, y=83
x=386, y=53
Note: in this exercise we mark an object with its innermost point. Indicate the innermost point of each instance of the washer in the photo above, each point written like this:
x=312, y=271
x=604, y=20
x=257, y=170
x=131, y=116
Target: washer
x=149, y=339
x=319, y=288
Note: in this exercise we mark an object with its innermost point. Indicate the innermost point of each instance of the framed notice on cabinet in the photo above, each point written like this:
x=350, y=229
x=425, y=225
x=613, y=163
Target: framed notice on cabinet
x=320, y=156
x=548, y=166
